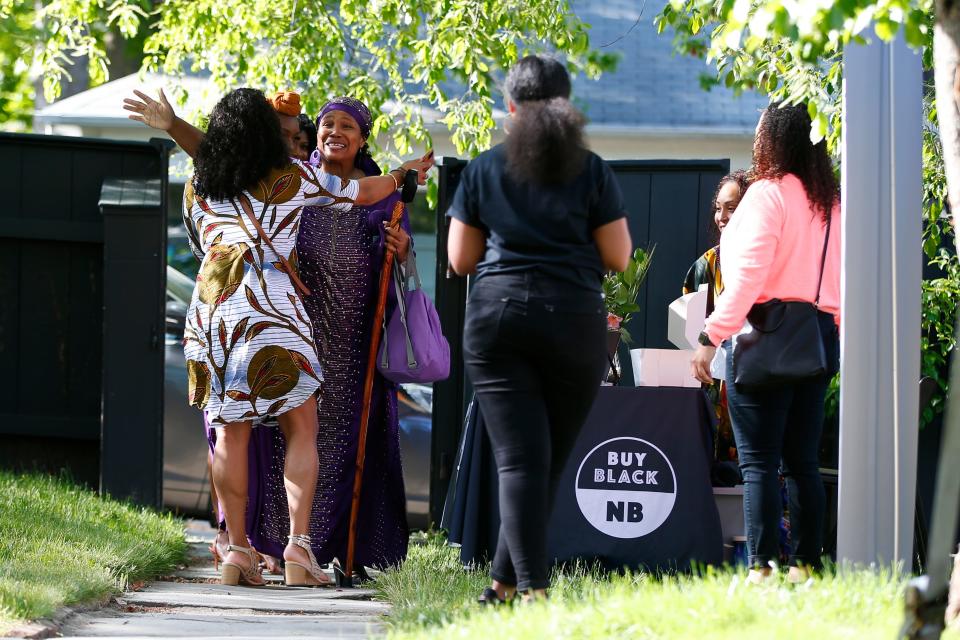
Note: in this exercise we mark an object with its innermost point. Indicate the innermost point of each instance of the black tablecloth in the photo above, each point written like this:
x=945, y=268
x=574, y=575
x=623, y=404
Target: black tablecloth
x=635, y=492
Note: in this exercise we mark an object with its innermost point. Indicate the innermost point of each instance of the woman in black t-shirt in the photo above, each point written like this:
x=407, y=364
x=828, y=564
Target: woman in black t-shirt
x=538, y=219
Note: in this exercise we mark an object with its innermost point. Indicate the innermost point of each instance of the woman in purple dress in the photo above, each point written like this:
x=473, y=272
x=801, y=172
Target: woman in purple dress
x=340, y=256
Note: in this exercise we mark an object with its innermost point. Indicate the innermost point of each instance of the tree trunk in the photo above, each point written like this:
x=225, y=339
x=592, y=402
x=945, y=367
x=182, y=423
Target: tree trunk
x=946, y=62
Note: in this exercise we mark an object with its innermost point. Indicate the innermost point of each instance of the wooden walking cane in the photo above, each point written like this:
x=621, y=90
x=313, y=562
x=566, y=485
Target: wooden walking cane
x=345, y=579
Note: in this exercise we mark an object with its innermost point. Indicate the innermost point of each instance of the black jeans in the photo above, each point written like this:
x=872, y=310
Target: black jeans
x=778, y=428
x=535, y=352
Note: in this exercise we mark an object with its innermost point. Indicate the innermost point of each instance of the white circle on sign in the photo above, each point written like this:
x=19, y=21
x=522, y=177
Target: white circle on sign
x=628, y=500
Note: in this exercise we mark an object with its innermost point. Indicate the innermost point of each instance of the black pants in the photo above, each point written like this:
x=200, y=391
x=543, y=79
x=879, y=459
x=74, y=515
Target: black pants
x=778, y=428
x=535, y=352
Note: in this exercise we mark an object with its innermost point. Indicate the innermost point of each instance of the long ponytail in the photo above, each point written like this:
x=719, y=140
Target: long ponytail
x=545, y=144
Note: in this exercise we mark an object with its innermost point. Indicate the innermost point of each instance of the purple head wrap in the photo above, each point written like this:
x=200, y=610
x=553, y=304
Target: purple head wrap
x=359, y=112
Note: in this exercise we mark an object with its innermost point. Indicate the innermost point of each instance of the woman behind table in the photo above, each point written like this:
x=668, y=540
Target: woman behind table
x=706, y=271
x=250, y=354
x=772, y=249
x=341, y=255
x=539, y=218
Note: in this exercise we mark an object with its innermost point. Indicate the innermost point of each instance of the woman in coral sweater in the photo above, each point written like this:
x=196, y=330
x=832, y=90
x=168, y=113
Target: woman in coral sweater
x=772, y=249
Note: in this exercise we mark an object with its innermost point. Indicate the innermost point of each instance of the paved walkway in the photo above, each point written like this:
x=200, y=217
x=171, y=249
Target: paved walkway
x=191, y=604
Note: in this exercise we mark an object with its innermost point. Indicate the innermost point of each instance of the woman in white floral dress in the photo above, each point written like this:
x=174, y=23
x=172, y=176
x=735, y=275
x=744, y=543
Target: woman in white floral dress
x=248, y=344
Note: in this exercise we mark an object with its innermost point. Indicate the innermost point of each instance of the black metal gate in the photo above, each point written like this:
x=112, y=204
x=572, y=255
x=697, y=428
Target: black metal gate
x=53, y=297
x=669, y=205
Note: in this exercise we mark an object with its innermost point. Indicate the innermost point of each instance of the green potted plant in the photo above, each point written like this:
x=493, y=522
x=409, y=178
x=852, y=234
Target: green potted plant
x=620, y=291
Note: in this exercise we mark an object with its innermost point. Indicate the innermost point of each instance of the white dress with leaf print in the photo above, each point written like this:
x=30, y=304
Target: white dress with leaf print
x=248, y=344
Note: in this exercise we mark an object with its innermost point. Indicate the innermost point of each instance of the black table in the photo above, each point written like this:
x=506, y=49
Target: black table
x=635, y=492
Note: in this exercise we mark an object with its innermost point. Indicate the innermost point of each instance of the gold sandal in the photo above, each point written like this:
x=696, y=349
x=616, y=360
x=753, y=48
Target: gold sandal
x=297, y=574
x=234, y=574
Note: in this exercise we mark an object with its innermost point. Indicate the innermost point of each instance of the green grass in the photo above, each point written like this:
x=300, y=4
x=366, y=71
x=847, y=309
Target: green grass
x=61, y=544
x=434, y=597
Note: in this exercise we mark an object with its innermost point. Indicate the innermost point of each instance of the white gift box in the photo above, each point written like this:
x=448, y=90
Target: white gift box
x=686, y=317
x=662, y=368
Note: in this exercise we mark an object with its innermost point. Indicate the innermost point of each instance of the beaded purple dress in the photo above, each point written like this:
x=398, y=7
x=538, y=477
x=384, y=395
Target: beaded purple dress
x=340, y=255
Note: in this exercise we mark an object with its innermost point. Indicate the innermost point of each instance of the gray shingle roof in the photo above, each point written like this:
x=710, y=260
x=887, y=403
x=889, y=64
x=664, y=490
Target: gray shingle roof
x=652, y=87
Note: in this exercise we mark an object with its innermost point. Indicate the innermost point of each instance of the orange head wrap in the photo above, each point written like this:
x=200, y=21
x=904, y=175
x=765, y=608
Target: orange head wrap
x=286, y=103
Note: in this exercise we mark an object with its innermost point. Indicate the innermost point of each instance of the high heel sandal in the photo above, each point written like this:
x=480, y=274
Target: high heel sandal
x=218, y=551
x=234, y=574
x=270, y=564
x=297, y=574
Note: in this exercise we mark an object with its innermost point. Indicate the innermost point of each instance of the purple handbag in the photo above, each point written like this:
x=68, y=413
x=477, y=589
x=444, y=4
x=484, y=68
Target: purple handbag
x=413, y=347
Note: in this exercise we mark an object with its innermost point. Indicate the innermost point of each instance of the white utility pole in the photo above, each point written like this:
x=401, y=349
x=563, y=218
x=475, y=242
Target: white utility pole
x=880, y=308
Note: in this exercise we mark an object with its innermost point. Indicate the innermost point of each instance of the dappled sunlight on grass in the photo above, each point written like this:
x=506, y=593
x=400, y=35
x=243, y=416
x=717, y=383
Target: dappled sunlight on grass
x=434, y=597
x=60, y=544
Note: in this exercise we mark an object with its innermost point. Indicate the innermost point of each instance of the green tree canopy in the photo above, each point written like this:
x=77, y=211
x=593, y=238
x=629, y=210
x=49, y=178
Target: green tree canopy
x=442, y=54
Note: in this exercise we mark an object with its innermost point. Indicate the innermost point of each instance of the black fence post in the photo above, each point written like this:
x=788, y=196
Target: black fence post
x=448, y=395
x=134, y=299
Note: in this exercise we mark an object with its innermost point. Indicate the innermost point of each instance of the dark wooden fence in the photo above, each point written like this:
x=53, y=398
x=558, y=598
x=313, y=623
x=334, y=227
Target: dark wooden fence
x=669, y=206
x=53, y=296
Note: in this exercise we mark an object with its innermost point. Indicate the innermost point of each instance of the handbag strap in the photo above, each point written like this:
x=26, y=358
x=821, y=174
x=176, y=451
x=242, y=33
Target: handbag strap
x=823, y=260
x=297, y=282
x=400, y=287
x=410, y=266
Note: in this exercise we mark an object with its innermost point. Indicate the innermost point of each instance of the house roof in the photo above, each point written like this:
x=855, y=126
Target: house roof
x=653, y=88
x=103, y=105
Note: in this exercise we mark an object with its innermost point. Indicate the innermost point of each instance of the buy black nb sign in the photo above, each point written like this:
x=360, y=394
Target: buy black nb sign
x=617, y=510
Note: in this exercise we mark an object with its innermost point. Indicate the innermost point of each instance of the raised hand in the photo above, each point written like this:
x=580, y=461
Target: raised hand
x=153, y=113
x=421, y=166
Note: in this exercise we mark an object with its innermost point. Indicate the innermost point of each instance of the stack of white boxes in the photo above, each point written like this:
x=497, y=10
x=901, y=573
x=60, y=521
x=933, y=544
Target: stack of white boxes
x=671, y=367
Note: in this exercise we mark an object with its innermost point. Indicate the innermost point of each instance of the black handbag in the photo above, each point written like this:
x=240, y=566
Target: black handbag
x=786, y=344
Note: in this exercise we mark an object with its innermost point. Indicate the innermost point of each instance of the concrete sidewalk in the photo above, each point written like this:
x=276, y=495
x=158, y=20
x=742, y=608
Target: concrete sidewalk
x=191, y=604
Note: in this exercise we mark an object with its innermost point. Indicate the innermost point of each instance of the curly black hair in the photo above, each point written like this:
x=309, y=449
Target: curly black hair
x=243, y=143
x=309, y=129
x=783, y=146
x=741, y=177
x=545, y=144
x=742, y=180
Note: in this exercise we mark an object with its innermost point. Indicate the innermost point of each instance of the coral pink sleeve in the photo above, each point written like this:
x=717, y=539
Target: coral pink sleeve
x=746, y=252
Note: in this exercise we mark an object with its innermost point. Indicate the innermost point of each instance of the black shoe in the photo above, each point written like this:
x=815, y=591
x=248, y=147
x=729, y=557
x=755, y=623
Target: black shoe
x=490, y=597
x=358, y=578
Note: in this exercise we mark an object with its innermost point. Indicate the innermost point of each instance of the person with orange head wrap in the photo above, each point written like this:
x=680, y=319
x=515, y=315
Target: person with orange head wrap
x=286, y=103
x=287, y=106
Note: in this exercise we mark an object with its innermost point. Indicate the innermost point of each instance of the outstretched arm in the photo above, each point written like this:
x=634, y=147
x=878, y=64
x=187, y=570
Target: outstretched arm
x=375, y=189
x=160, y=115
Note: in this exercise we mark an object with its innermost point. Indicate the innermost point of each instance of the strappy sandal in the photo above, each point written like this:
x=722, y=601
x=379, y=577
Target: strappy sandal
x=270, y=564
x=234, y=574
x=297, y=574
x=218, y=550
